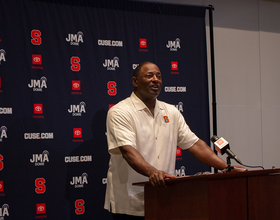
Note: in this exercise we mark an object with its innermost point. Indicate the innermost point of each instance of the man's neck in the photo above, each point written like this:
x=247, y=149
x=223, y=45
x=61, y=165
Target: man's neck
x=150, y=103
x=151, y=107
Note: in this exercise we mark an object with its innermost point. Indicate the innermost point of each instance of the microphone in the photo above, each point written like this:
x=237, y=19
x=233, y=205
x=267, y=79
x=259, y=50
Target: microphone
x=222, y=146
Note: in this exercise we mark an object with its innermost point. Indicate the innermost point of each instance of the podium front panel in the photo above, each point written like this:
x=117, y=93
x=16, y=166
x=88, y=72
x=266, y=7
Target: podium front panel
x=183, y=200
x=264, y=197
x=228, y=199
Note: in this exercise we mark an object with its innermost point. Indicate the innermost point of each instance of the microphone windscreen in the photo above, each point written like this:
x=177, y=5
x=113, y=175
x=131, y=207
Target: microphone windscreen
x=214, y=138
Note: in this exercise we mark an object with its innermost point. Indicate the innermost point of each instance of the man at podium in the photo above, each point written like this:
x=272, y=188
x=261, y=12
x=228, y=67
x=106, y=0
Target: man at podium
x=143, y=134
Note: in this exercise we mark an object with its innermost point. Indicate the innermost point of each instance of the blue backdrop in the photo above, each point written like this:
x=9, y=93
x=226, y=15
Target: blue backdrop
x=63, y=64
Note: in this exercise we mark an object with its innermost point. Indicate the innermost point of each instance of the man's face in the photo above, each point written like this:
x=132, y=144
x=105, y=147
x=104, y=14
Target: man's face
x=148, y=82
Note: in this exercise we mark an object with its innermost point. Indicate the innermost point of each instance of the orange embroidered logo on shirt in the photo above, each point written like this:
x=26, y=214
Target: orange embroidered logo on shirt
x=166, y=120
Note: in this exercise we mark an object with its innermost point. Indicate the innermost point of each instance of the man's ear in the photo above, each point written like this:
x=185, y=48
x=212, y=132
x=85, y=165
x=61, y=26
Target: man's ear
x=134, y=81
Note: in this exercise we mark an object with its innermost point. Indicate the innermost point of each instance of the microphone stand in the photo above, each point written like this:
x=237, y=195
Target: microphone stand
x=229, y=167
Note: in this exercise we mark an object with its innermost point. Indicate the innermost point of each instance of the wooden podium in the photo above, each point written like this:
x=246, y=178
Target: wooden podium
x=252, y=195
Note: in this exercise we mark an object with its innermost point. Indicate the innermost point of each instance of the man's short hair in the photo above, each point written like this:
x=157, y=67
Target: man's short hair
x=138, y=68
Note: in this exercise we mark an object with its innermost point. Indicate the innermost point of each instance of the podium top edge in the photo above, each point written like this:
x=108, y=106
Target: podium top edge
x=214, y=176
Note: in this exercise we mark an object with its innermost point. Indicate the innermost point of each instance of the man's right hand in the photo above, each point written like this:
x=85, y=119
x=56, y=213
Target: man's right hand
x=157, y=178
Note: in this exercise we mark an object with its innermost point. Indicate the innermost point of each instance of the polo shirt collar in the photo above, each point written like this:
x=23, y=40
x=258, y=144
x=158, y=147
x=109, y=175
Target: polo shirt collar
x=141, y=106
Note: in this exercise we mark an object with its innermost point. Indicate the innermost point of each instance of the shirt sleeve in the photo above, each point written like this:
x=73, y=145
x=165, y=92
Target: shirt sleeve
x=120, y=130
x=186, y=138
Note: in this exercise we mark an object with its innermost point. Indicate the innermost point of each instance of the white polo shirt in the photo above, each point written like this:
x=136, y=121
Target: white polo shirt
x=156, y=138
